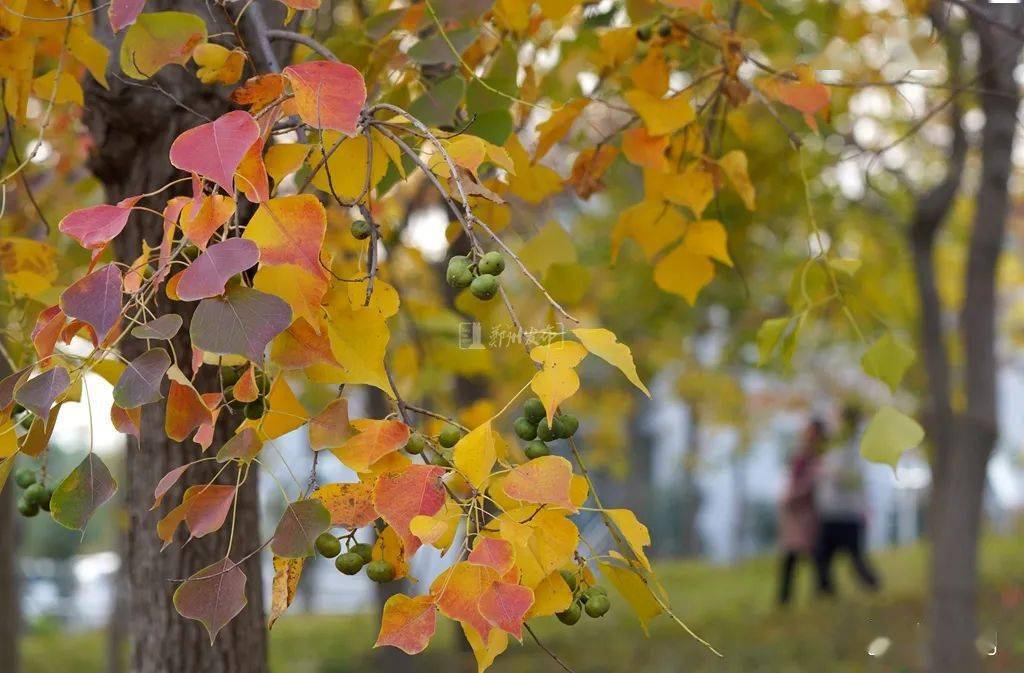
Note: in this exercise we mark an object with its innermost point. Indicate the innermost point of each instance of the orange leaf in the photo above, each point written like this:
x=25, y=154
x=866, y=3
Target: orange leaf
x=400, y=496
x=290, y=230
x=493, y=552
x=458, y=591
x=331, y=426
x=505, y=605
x=645, y=150
x=542, y=481
x=350, y=505
x=328, y=94
x=408, y=623
x=214, y=211
x=375, y=440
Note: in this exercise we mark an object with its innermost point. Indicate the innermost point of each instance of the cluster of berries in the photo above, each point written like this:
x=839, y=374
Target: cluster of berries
x=36, y=496
x=480, y=277
x=591, y=599
x=356, y=557
x=533, y=428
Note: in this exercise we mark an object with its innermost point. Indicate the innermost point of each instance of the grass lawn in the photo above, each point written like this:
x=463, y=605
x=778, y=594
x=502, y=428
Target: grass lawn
x=731, y=607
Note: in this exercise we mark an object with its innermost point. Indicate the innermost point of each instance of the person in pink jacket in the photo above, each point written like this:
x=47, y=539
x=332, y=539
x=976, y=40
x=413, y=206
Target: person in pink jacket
x=798, y=515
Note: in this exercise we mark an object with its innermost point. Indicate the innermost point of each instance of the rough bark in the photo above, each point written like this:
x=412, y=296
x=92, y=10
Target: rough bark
x=962, y=443
x=132, y=127
x=10, y=609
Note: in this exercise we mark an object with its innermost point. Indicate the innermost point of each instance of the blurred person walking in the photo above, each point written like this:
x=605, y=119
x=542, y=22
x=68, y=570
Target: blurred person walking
x=798, y=517
x=842, y=508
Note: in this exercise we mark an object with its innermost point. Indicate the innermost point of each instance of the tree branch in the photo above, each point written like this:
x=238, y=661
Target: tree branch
x=299, y=38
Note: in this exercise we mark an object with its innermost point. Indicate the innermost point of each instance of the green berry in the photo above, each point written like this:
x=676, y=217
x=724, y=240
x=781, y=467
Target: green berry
x=349, y=563
x=570, y=578
x=26, y=507
x=364, y=550
x=492, y=263
x=360, y=229
x=254, y=410
x=484, y=287
x=228, y=376
x=598, y=605
x=534, y=410
x=449, y=436
x=536, y=449
x=191, y=251
x=459, y=274
x=591, y=591
x=380, y=571
x=570, y=424
x=570, y=615
x=643, y=33
x=25, y=477
x=665, y=29
x=550, y=433
x=44, y=504
x=35, y=493
x=525, y=430
x=416, y=444
x=327, y=545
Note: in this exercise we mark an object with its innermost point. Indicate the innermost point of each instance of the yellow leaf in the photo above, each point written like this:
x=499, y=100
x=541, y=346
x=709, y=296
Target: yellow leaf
x=8, y=441
x=654, y=225
x=345, y=172
x=284, y=414
x=359, y=335
x=889, y=434
x=218, y=64
x=514, y=15
x=734, y=164
x=693, y=187
x=661, y=116
x=651, y=74
x=553, y=386
x=558, y=354
x=684, y=273
x=474, y=455
x=636, y=592
x=616, y=45
x=287, y=572
x=283, y=160
x=89, y=52
x=636, y=534
x=557, y=126
x=605, y=345
x=66, y=90
x=550, y=596
x=485, y=653
x=531, y=182
x=302, y=290
x=551, y=245
x=708, y=238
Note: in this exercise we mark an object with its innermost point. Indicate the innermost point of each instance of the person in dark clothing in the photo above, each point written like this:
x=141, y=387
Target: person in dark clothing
x=798, y=520
x=842, y=509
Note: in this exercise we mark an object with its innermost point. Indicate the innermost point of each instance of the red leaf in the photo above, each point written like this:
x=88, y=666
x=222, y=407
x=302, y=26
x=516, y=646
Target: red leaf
x=328, y=95
x=505, y=605
x=213, y=596
x=207, y=508
x=493, y=552
x=215, y=150
x=96, y=226
x=408, y=623
x=399, y=496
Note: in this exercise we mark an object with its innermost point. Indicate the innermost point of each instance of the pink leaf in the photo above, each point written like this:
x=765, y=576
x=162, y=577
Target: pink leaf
x=505, y=606
x=207, y=276
x=96, y=226
x=328, y=95
x=123, y=13
x=215, y=150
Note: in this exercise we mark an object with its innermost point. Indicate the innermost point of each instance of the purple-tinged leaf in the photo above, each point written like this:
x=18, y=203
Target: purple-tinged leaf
x=168, y=480
x=95, y=299
x=244, y=446
x=164, y=327
x=38, y=394
x=207, y=276
x=9, y=384
x=123, y=13
x=301, y=523
x=213, y=596
x=242, y=322
x=140, y=381
x=82, y=492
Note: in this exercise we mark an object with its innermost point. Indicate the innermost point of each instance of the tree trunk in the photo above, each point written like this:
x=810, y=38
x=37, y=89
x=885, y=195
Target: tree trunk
x=10, y=613
x=132, y=127
x=963, y=443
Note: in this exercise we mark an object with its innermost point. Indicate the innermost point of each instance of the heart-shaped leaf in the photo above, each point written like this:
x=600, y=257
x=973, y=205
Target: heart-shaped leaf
x=38, y=394
x=95, y=299
x=164, y=327
x=82, y=492
x=242, y=322
x=243, y=446
x=158, y=39
x=123, y=13
x=328, y=95
x=96, y=226
x=301, y=523
x=140, y=381
x=210, y=272
x=215, y=149
x=213, y=596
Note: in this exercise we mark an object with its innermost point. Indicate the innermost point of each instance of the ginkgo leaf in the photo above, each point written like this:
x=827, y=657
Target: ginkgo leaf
x=604, y=344
x=400, y=496
x=301, y=523
x=541, y=481
x=350, y=505
x=215, y=149
x=82, y=492
x=208, y=275
x=212, y=596
x=242, y=322
x=889, y=435
x=888, y=360
x=374, y=440
x=140, y=382
x=158, y=39
x=505, y=606
x=164, y=327
x=287, y=572
x=328, y=94
x=661, y=116
x=95, y=299
x=474, y=455
x=39, y=393
x=407, y=623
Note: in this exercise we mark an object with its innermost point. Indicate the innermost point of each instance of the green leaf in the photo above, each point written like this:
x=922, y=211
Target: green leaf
x=437, y=106
x=82, y=492
x=888, y=360
x=158, y=39
x=889, y=435
x=776, y=339
x=301, y=523
x=435, y=50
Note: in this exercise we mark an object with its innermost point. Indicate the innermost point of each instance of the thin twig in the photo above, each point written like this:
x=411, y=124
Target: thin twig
x=299, y=38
